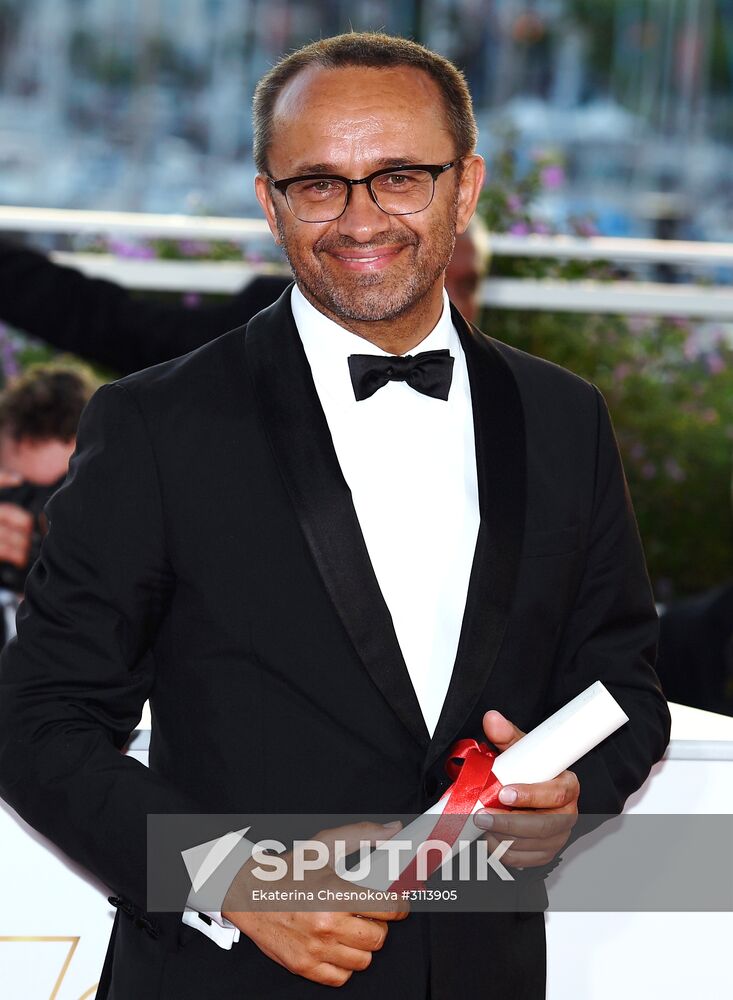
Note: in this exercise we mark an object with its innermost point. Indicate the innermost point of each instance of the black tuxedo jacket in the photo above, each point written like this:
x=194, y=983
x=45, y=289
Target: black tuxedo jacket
x=205, y=553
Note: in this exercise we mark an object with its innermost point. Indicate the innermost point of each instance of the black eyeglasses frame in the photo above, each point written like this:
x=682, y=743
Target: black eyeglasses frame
x=434, y=169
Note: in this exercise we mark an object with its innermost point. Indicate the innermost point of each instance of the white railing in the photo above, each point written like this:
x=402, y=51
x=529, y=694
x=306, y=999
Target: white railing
x=621, y=297
x=65, y=220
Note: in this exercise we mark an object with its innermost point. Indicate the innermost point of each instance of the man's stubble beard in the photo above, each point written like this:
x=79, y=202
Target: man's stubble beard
x=370, y=301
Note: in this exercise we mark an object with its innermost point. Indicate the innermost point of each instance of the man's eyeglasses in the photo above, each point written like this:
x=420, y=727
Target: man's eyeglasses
x=396, y=190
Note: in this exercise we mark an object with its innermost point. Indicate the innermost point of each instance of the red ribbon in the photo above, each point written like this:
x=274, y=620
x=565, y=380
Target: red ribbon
x=469, y=764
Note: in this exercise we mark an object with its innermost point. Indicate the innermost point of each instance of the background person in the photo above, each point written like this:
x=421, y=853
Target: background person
x=467, y=269
x=39, y=415
x=102, y=322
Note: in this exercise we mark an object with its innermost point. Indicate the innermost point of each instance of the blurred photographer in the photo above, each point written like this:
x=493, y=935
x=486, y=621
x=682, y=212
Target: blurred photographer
x=39, y=414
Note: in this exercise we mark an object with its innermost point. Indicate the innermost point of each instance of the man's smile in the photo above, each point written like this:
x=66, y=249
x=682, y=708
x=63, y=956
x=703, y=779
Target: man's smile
x=366, y=260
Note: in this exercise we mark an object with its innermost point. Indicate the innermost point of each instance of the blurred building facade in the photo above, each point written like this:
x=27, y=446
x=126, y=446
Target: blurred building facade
x=144, y=105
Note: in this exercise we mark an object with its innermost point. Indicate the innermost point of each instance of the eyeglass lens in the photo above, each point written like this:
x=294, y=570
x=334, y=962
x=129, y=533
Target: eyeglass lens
x=399, y=192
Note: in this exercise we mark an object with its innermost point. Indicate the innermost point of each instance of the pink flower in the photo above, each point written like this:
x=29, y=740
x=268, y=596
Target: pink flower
x=640, y=324
x=715, y=363
x=691, y=349
x=552, y=176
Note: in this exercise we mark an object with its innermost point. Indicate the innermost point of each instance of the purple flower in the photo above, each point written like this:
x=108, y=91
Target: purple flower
x=134, y=251
x=715, y=363
x=648, y=470
x=679, y=322
x=584, y=227
x=552, y=176
x=541, y=228
x=675, y=471
x=514, y=203
x=637, y=450
x=191, y=300
x=519, y=229
x=194, y=248
x=8, y=356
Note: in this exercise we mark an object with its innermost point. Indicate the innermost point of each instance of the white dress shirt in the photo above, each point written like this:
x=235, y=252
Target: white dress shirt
x=410, y=463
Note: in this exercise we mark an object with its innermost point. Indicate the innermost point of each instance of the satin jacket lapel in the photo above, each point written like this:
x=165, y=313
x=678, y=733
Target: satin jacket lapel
x=301, y=441
x=501, y=466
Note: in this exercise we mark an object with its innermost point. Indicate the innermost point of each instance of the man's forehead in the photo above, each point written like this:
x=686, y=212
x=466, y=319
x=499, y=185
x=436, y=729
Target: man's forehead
x=363, y=97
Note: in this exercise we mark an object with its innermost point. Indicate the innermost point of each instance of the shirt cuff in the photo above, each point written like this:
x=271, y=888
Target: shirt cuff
x=220, y=862
x=220, y=931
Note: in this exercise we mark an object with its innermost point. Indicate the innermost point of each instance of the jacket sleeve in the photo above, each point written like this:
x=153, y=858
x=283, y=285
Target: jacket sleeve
x=74, y=681
x=611, y=636
x=103, y=322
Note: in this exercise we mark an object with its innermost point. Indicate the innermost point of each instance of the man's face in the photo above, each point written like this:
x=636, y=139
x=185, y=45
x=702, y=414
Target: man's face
x=40, y=462
x=367, y=266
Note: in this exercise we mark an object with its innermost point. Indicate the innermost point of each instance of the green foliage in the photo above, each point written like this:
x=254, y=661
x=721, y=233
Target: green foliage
x=669, y=386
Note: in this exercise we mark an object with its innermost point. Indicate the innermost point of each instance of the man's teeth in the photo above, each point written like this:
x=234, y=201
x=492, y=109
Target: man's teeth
x=375, y=256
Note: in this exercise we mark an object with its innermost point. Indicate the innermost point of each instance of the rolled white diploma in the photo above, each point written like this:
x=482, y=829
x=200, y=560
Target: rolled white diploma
x=540, y=755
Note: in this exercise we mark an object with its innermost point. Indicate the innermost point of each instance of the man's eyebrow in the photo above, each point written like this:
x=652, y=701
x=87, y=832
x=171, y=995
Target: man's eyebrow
x=329, y=168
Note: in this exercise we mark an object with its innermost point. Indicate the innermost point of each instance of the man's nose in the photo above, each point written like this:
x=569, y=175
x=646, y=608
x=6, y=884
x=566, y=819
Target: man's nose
x=363, y=218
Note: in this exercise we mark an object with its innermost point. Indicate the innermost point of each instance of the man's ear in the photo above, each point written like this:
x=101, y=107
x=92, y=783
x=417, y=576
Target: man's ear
x=469, y=189
x=263, y=191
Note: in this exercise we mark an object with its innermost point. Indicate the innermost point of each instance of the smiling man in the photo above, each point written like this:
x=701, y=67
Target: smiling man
x=412, y=534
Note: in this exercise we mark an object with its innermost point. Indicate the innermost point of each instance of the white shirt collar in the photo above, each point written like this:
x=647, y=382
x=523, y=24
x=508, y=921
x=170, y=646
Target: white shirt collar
x=328, y=346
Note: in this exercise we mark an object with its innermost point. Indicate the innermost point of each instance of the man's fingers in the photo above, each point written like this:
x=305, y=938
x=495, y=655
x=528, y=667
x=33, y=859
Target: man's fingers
x=528, y=845
x=526, y=859
x=16, y=529
x=351, y=959
x=559, y=793
x=388, y=915
x=327, y=974
x=350, y=836
x=534, y=825
x=9, y=479
x=500, y=731
x=13, y=516
x=367, y=935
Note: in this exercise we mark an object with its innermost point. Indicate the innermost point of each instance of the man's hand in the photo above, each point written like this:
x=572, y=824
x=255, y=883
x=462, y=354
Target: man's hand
x=16, y=526
x=328, y=947
x=541, y=816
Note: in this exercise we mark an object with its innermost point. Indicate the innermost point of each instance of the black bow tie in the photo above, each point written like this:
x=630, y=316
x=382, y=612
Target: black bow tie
x=429, y=372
